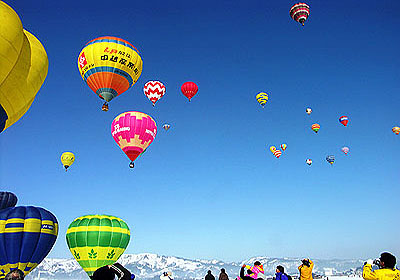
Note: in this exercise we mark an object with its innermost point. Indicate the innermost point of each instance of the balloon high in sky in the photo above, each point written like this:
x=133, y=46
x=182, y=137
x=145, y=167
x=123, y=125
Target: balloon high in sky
x=23, y=67
x=154, y=90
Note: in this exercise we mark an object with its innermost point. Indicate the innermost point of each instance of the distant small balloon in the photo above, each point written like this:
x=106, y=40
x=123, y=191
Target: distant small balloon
x=309, y=161
x=283, y=147
x=166, y=126
x=277, y=153
x=396, y=130
x=272, y=149
x=345, y=150
x=315, y=127
x=262, y=98
x=308, y=111
x=344, y=120
x=330, y=159
x=67, y=159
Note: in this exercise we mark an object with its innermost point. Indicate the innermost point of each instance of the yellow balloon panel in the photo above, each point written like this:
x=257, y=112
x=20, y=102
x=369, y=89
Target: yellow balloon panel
x=109, y=66
x=11, y=39
x=19, y=89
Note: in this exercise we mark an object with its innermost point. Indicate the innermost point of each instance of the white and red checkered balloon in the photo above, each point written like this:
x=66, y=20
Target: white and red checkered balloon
x=154, y=90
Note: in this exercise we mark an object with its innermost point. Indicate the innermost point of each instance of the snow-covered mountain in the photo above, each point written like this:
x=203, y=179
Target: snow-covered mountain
x=151, y=266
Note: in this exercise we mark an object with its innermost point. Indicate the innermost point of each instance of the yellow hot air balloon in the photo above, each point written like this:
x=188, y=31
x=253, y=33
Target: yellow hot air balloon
x=67, y=159
x=272, y=149
x=23, y=68
x=109, y=66
x=262, y=98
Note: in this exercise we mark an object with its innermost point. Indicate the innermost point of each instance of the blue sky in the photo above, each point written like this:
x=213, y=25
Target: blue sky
x=209, y=187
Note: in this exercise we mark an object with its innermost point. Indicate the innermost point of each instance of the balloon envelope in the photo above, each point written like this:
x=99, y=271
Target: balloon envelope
x=110, y=66
x=344, y=120
x=277, y=153
x=330, y=159
x=309, y=161
x=345, y=150
x=272, y=149
x=27, y=235
x=308, y=111
x=315, y=127
x=300, y=12
x=133, y=132
x=97, y=240
x=262, y=98
x=166, y=126
x=283, y=147
x=67, y=159
x=7, y=199
x=189, y=89
x=396, y=130
x=154, y=90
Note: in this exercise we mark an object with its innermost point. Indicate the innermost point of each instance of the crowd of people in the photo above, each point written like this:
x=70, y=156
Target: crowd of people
x=386, y=270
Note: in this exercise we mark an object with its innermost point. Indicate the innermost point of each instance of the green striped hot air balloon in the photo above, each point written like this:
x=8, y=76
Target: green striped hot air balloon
x=97, y=240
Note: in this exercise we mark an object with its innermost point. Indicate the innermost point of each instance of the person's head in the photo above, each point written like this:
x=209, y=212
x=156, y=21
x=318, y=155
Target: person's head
x=249, y=271
x=209, y=272
x=15, y=275
x=306, y=262
x=257, y=263
x=387, y=260
x=223, y=270
x=280, y=268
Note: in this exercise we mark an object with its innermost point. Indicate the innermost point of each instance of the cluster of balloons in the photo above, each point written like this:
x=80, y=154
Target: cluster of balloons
x=27, y=234
x=97, y=240
x=277, y=153
x=23, y=67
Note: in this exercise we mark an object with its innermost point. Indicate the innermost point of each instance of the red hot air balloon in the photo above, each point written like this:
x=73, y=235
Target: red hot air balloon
x=154, y=90
x=344, y=120
x=277, y=153
x=189, y=89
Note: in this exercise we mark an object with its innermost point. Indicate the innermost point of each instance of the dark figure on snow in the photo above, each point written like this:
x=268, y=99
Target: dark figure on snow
x=109, y=272
x=223, y=275
x=16, y=274
x=209, y=276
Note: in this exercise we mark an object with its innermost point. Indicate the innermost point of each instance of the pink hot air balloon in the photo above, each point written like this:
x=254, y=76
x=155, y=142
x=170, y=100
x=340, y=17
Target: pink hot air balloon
x=345, y=150
x=133, y=132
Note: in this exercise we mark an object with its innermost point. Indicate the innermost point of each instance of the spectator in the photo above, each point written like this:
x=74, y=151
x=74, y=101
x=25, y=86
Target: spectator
x=209, y=276
x=109, y=272
x=223, y=275
x=386, y=271
x=280, y=273
x=16, y=274
x=305, y=269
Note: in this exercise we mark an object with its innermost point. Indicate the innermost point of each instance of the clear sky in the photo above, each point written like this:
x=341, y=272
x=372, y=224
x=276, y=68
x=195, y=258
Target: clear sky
x=210, y=187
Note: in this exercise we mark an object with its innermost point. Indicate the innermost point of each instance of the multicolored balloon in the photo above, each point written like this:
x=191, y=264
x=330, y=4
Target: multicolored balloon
x=189, y=89
x=154, y=90
x=272, y=149
x=344, y=120
x=133, y=132
x=309, y=161
x=330, y=159
x=23, y=67
x=262, y=98
x=315, y=127
x=97, y=240
x=67, y=159
x=396, y=130
x=277, y=153
x=109, y=65
x=283, y=147
x=7, y=199
x=166, y=126
x=27, y=235
x=345, y=150
x=300, y=12
x=308, y=111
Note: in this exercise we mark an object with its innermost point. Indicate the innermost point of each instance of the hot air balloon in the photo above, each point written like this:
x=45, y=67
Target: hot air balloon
x=7, y=199
x=166, y=126
x=272, y=149
x=262, y=98
x=27, y=235
x=109, y=66
x=300, y=12
x=345, y=150
x=330, y=159
x=97, y=240
x=23, y=67
x=315, y=127
x=277, y=153
x=309, y=161
x=344, y=120
x=283, y=147
x=308, y=111
x=133, y=132
x=154, y=90
x=396, y=130
x=189, y=89
x=67, y=159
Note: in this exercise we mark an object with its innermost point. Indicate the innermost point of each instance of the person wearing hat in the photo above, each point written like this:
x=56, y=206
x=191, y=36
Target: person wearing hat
x=305, y=269
x=386, y=271
x=109, y=272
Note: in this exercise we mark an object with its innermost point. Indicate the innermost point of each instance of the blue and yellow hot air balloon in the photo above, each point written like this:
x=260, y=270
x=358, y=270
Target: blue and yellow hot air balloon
x=262, y=98
x=7, y=199
x=27, y=235
x=23, y=67
x=97, y=240
x=109, y=66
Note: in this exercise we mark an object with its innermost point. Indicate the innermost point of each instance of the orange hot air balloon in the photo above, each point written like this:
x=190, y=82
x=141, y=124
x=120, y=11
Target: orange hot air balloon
x=189, y=89
x=315, y=127
x=396, y=130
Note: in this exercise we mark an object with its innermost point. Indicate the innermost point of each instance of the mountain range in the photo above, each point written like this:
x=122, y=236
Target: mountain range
x=150, y=266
